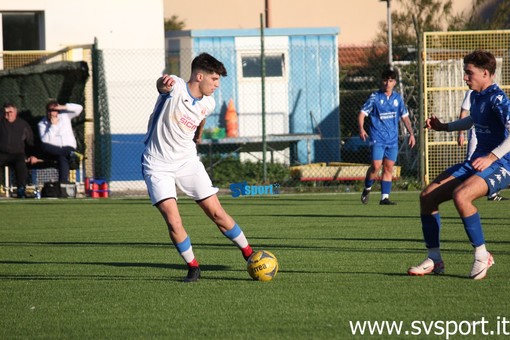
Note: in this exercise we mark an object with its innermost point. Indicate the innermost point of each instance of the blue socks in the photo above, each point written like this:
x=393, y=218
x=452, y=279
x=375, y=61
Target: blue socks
x=473, y=227
x=431, y=227
x=385, y=187
x=234, y=232
x=369, y=183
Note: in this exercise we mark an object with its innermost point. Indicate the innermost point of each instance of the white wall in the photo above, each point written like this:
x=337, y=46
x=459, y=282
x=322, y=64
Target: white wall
x=116, y=23
x=131, y=34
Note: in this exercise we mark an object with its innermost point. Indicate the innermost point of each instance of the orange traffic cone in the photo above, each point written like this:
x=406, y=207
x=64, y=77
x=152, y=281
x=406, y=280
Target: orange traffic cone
x=231, y=120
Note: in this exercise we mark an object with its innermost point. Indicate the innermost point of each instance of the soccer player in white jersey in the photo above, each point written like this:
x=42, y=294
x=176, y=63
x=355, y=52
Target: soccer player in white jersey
x=464, y=111
x=170, y=158
x=385, y=109
x=487, y=172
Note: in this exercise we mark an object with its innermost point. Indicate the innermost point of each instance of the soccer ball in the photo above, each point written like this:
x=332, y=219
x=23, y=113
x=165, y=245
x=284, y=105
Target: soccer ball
x=262, y=266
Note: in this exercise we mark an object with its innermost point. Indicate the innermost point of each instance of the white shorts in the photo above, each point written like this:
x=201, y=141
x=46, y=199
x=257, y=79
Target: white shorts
x=190, y=177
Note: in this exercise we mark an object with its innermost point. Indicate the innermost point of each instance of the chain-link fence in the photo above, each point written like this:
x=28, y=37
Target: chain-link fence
x=307, y=143
x=299, y=109
x=310, y=100
x=361, y=68
x=291, y=109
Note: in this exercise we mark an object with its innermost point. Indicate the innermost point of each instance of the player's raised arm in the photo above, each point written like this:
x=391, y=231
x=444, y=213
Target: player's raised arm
x=461, y=124
x=165, y=83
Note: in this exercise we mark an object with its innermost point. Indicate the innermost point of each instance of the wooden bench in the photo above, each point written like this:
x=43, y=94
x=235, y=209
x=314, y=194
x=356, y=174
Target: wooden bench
x=334, y=171
x=46, y=171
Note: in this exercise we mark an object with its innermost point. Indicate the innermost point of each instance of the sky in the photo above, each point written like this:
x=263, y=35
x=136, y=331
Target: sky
x=357, y=20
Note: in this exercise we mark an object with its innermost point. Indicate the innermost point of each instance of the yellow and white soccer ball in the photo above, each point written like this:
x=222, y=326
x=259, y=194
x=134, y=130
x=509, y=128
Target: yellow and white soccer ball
x=262, y=266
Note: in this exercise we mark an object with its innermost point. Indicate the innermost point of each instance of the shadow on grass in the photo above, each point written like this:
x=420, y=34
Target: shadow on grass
x=417, y=277
x=121, y=264
x=205, y=269
x=277, y=244
x=87, y=277
x=367, y=217
x=379, y=239
x=53, y=277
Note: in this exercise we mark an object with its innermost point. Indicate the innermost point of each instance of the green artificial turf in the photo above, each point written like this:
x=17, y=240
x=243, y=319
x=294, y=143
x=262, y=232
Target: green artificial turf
x=105, y=269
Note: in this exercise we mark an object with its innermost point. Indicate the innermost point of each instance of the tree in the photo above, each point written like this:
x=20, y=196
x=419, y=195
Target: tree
x=488, y=15
x=174, y=24
x=438, y=15
x=431, y=15
x=173, y=53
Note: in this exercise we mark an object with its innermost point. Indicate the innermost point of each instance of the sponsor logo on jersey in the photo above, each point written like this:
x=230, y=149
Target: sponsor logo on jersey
x=188, y=122
x=388, y=115
x=482, y=129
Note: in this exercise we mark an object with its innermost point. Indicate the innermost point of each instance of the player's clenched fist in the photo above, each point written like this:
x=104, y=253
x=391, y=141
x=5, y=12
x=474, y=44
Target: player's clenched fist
x=435, y=124
x=165, y=83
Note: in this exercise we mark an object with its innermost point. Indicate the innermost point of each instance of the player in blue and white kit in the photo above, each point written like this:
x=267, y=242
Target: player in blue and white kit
x=170, y=157
x=464, y=111
x=385, y=109
x=486, y=172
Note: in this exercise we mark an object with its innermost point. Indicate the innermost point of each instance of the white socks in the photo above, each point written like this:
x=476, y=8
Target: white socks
x=481, y=253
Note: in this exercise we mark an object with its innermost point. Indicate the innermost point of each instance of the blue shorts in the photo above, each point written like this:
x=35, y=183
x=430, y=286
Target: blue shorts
x=497, y=176
x=381, y=151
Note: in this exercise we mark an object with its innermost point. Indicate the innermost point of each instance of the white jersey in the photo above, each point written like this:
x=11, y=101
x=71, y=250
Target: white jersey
x=466, y=105
x=466, y=102
x=60, y=134
x=172, y=125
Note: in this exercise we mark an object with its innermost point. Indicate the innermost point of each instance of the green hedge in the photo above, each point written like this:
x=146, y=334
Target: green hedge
x=232, y=170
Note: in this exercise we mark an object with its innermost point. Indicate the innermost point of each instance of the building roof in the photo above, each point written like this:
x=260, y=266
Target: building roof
x=357, y=55
x=254, y=32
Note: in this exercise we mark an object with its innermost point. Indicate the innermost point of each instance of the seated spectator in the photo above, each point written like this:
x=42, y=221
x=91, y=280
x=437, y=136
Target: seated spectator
x=57, y=136
x=16, y=137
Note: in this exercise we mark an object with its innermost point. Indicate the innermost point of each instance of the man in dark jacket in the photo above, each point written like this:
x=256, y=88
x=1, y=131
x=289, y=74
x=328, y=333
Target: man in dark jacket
x=15, y=136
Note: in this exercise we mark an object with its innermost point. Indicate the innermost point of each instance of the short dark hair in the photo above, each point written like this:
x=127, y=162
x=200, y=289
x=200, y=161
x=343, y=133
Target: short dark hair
x=9, y=104
x=389, y=74
x=51, y=103
x=206, y=62
x=482, y=59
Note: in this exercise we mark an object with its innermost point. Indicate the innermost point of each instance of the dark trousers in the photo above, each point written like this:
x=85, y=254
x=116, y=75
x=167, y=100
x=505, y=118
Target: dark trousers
x=18, y=161
x=63, y=156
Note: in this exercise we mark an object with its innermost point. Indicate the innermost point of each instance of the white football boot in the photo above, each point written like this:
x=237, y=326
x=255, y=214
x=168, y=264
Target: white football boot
x=479, y=269
x=427, y=267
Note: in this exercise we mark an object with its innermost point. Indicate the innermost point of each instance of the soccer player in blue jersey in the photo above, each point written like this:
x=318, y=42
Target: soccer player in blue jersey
x=471, y=146
x=170, y=158
x=486, y=172
x=385, y=109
